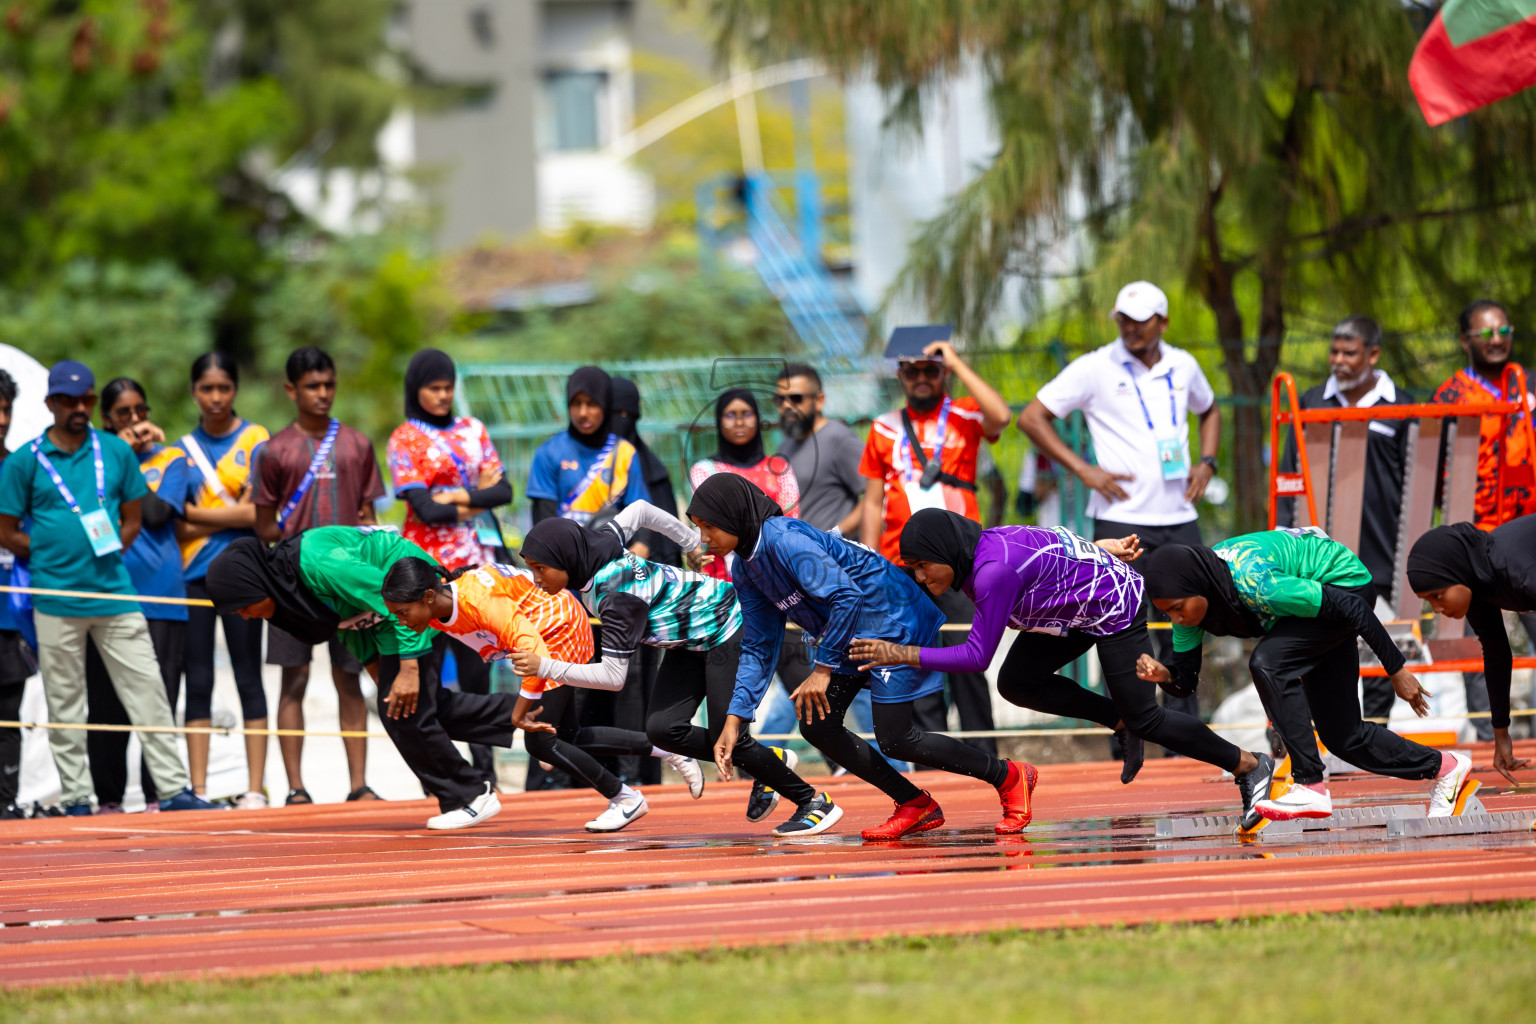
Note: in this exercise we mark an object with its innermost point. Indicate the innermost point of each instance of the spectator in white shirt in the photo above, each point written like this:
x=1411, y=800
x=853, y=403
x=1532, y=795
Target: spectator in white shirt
x=1136, y=394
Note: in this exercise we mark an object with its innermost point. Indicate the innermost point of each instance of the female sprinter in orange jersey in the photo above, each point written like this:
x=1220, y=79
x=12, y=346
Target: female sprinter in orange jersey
x=495, y=610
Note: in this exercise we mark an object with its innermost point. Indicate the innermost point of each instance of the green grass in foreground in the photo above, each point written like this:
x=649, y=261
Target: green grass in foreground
x=1455, y=964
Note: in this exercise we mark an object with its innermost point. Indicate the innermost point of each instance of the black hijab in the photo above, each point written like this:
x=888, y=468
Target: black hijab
x=625, y=416
x=1182, y=570
x=427, y=366
x=939, y=535
x=744, y=456
x=247, y=572
x=736, y=505
x=572, y=548
x=598, y=386
x=1448, y=555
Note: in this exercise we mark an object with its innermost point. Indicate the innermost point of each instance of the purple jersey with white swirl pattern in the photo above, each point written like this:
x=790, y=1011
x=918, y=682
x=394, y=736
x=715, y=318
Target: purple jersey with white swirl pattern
x=1043, y=581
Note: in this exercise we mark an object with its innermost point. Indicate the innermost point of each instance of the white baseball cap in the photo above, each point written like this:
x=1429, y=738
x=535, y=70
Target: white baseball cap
x=1141, y=300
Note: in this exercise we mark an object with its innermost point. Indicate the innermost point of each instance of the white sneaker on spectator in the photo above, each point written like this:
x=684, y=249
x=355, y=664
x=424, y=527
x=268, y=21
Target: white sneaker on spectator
x=481, y=808
x=251, y=801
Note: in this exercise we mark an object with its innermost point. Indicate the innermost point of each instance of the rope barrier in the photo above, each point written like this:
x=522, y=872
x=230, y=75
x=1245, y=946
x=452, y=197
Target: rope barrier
x=962, y=734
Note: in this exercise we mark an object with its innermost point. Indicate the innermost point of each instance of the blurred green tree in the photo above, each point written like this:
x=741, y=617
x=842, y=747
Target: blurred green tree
x=1266, y=156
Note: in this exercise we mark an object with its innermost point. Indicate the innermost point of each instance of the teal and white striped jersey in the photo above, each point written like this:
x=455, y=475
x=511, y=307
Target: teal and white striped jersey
x=642, y=602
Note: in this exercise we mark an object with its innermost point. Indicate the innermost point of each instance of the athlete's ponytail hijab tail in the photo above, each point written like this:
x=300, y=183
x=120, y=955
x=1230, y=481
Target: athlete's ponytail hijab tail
x=410, y=578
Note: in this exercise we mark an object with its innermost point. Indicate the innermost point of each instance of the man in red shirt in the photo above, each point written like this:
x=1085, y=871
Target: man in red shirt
x=315, y=472
x=901, y=481
x=1488, y=340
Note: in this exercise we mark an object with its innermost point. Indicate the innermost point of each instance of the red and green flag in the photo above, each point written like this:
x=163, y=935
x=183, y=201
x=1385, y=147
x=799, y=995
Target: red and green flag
x=1475, y=52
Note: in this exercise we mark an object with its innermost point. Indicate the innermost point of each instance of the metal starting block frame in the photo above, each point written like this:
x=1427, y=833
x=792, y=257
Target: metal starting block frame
x=1400, y=820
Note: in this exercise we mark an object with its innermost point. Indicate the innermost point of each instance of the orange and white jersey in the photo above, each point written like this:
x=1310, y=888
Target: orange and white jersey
x=497, y=609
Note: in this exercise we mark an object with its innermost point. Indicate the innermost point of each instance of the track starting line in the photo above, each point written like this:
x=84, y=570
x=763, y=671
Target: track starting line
x=1400, y=820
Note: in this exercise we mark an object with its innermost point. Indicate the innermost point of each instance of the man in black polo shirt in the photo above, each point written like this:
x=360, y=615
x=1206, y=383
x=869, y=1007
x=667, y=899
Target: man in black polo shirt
x=1356, y=382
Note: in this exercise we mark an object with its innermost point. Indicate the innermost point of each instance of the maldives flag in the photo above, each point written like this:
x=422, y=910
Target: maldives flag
x=1475, y=52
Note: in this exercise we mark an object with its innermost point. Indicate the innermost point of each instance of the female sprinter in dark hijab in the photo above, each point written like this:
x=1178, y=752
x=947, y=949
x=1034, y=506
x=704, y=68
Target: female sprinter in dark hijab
x=571, y=548
x=736, y=505
x=249, y=572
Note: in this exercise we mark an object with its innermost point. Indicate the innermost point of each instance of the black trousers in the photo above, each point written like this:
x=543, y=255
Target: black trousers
x=1030, y=679
x=474, y=677
x=1306, y=672
x=690, y=678
x=243, y=639
x=425, y=737
x=108, y=751
x=631, y=708
x=15, y=667
x=969, y=691
x=1152, y=538
x=571, y=746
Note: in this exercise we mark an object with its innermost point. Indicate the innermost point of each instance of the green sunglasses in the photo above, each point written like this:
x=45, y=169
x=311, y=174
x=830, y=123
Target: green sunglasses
x=1487, y=333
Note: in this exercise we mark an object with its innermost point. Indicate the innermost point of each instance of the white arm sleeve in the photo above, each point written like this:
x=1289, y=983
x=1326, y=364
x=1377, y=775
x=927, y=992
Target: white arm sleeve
x=642, y=515
x=608, y=674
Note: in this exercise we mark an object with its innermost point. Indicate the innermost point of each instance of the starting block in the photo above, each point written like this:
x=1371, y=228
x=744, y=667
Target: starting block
x=1473, y=821
x=1208, y=825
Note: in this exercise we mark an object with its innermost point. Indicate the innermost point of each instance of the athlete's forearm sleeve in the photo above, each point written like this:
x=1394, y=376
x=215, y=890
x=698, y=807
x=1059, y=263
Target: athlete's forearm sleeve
x=608, y=674
x=642, y=515
x=1498, y=660
x=1343, y=606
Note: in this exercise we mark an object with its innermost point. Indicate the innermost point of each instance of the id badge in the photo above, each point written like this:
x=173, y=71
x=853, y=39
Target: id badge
x=1173, y=457
x=103, y=534
x=486, y=532
x=920, y=497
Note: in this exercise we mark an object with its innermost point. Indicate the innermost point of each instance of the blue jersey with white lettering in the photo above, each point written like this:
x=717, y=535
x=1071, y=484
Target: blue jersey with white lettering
x=835, y=590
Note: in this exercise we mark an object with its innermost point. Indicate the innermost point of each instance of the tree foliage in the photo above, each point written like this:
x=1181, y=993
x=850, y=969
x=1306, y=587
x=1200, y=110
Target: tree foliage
x=1267, y=156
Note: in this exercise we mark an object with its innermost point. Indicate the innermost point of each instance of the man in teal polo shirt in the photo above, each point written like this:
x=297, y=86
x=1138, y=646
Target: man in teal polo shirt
x=81, y=489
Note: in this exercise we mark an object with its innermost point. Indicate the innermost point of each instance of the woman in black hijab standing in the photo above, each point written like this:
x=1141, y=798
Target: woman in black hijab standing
x=449, y=474
x=1465, y=573
x=586, y=473
x=739, y=431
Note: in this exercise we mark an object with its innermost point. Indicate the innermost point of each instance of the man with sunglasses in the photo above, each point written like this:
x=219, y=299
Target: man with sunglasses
x=924, y=456
x=1488, y=340
x=823, y=453
x=82, y=489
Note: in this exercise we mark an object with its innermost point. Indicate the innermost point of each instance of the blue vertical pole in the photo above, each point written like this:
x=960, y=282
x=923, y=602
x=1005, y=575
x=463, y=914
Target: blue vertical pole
x=807, y=187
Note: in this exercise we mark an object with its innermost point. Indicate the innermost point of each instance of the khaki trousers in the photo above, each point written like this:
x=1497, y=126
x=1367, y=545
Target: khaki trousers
x=125, y=648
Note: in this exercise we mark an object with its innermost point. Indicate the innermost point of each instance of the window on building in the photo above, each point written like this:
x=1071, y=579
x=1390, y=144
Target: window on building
x=573, y=109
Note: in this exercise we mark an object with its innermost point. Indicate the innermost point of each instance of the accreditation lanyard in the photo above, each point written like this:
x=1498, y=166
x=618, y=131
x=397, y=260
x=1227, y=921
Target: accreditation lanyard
x=1173, y=409
x=98, y=527
x=317, y=463
x=905, y=460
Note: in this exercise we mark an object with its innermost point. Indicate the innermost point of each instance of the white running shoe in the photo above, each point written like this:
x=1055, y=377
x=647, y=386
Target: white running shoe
x=692, y=774
x=622, y=811
x=1296, y=802
x=251, y=801
x=483, y=808
x=1442, y=800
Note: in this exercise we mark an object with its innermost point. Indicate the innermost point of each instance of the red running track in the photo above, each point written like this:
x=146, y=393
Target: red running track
x=364, y=886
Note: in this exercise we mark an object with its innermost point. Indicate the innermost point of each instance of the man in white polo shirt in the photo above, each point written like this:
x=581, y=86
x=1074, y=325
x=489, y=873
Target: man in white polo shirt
x=1136, y=394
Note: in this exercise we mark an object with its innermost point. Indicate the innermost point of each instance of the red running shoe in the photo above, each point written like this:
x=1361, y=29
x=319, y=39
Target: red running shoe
x=1016, y=792
x=917, y=815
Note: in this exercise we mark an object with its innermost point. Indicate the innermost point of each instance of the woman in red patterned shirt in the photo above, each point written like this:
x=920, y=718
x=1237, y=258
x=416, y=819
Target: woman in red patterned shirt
x=448, y=473
x=739, y=429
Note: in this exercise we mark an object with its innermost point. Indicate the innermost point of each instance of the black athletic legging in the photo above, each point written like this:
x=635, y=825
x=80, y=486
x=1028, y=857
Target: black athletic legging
x=571, y=746
x=1306, y=672
x=1029, y=679
x=474, y=677
x=243, y=638
x=687, y=679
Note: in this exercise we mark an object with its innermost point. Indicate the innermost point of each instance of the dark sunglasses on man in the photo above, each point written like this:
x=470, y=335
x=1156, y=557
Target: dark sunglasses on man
x=920, y=370
x=793, y=398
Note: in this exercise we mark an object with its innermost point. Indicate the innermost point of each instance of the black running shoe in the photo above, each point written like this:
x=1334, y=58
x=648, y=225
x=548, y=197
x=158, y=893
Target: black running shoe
x=1254, y=786
x=1134, y=751
x=11, y=812
x=817, y=816
x=763, y=799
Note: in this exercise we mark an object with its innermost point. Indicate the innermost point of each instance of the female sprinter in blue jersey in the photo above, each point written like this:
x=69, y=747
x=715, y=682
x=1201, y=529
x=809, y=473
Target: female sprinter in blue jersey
x=787, y=570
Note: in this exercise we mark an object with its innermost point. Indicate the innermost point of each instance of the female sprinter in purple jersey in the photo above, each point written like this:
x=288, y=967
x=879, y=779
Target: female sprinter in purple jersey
x=1067, y=594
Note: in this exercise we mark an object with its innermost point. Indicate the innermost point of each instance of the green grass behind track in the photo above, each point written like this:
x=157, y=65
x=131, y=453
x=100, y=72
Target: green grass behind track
x=1463, y=964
